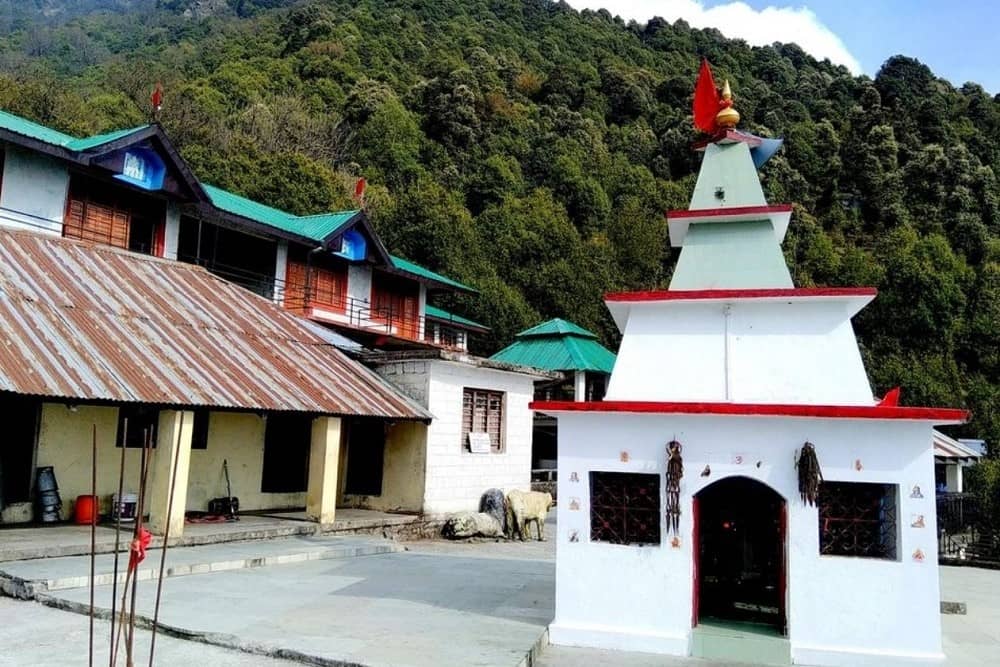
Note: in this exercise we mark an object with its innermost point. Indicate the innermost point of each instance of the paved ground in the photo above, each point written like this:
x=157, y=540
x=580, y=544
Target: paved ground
x=394, y=609
x=63, y=539
x=440, y=603
x=31, y=634
x=972, y=639
x=53, y=574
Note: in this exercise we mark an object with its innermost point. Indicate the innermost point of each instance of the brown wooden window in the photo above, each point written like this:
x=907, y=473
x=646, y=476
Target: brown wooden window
x=315, y=286
x=483, y=412
x=624, y=508
x=103, y=213
x=857, y=519
x=395, y=302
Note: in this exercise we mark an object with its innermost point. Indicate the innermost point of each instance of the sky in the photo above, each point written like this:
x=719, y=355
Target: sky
x=956, y=38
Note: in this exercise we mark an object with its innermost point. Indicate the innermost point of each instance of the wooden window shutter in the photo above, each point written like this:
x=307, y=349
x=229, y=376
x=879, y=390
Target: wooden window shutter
x=482, y=412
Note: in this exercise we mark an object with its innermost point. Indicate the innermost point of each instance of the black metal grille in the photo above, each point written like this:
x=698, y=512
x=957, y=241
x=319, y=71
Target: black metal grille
x=857, y=519
x=624, y=508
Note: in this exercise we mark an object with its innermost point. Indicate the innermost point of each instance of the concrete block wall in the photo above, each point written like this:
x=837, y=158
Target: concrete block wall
x=456, y=478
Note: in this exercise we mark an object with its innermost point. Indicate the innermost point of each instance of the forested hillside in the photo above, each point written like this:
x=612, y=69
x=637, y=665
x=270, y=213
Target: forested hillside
x=531, y=150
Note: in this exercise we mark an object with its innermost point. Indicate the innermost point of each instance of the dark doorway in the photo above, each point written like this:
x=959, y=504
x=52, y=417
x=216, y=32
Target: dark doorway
x=740, y=554
x=17, y=449
x=287, y=438
x=365, y=454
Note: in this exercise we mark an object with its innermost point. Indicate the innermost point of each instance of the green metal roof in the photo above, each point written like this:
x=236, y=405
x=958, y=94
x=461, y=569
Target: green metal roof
x=556, y=327
x=26, y=128
x=419, y=271
x=315, y=227
x=558, y=345
x=101, y=139
x=437, y=313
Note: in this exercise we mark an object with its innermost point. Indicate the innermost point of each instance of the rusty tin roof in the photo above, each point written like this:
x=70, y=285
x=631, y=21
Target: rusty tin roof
x=88, y=322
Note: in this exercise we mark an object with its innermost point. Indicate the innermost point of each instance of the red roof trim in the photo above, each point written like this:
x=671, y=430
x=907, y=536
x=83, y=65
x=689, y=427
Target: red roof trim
x=718, y=294
x=758, y=410
x=732, y=210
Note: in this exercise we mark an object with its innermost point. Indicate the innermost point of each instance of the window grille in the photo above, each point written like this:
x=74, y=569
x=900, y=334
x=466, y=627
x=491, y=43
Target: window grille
x=483, y=412
x=857, y=519
x=624, y=508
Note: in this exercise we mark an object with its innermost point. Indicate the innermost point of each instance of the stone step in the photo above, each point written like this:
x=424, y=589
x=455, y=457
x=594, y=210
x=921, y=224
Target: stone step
x=24, y=579
x=735, y=643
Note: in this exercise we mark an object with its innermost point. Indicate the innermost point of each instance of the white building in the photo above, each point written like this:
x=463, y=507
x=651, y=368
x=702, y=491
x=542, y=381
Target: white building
x=465, y=395
x=743, y=370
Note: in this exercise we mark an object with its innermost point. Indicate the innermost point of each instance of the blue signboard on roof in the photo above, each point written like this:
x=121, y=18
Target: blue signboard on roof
x=143, y=168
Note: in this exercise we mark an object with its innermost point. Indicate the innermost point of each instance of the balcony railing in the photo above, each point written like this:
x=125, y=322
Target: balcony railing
x=326, y=301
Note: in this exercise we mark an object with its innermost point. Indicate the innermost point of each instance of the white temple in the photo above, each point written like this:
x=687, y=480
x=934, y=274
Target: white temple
x=742, y=370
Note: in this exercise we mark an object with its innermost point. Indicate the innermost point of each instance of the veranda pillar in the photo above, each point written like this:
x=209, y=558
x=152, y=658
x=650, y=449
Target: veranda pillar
x=170, y=447
x=324, y=461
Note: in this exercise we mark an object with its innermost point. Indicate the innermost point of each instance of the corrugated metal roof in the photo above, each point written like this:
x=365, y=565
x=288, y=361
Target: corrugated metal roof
x=441, y=314
x=315, y=227
x=27, y=128
x=949, y=449
x=419, y=271
x=558, y=345
x=86, y=322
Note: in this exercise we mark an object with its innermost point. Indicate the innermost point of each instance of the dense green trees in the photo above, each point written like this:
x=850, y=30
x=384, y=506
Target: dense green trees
x=531, y=150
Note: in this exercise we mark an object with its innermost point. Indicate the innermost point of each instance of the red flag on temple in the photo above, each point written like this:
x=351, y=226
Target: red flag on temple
x=359, y=189
x=706, y=100
x=891, y=397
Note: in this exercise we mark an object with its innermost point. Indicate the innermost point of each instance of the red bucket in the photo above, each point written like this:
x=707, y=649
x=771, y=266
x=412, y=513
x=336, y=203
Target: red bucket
x=85, y=510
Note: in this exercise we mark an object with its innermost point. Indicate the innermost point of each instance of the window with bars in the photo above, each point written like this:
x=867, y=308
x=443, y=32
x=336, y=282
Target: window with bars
x=857, y=519
x=625, y=508
x=482, y=412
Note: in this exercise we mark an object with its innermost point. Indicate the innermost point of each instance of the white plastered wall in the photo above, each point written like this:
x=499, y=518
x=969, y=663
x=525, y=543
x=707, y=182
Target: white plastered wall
x=457, y=478
x=33, y=192
x=761, y=352
x=841, y=611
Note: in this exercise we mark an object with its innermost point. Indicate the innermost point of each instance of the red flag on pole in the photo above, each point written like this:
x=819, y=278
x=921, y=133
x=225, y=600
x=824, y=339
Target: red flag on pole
x=359, y=189
x=706, y=100
x=157, y=98
x=137, y=550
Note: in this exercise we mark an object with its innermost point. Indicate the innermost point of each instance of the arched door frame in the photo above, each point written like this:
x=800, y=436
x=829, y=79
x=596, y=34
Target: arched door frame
x=696, y=548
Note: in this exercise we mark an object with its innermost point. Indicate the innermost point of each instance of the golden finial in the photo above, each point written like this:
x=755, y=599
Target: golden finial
x=728, y=117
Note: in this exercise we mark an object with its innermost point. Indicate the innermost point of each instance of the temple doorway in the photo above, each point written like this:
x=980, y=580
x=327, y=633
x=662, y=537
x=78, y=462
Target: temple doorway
x=740, y=568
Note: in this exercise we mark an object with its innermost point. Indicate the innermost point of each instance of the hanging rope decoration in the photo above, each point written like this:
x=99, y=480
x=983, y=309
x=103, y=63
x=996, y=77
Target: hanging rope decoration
x=675, y=470
x=810, y=475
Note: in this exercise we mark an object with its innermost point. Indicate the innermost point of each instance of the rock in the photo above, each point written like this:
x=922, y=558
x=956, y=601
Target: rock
x=471, y=524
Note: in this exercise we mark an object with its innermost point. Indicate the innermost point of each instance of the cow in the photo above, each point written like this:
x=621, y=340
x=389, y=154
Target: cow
x=524, y=507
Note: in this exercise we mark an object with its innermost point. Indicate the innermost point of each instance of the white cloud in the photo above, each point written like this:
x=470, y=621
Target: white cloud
x=740, y=20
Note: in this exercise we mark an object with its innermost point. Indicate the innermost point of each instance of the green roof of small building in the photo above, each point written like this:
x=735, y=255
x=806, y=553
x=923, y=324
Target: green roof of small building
x=438, y=313
x=27, y=128
x=558, y=345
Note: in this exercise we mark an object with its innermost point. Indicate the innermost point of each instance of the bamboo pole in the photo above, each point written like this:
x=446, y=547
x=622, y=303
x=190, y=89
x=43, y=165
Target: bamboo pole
x=93, y=540
x=166, y=536
x=118, y=532
x=130, y=640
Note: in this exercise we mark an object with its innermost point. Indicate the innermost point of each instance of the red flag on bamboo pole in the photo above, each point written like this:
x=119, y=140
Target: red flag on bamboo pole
x=706, y=100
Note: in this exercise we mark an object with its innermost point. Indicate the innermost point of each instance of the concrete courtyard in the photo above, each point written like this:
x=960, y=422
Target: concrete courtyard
x=438, y=603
